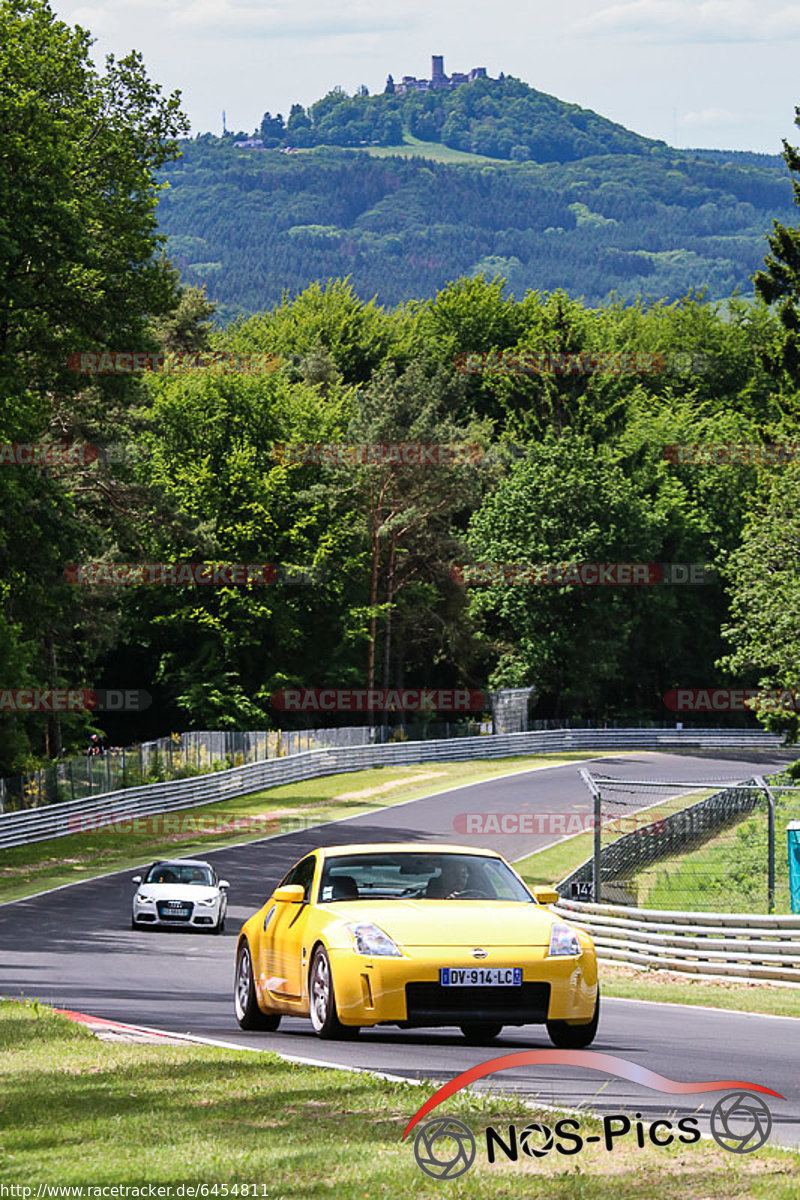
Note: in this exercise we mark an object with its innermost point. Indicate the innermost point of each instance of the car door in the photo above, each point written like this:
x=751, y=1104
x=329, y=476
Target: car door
x=282, y=939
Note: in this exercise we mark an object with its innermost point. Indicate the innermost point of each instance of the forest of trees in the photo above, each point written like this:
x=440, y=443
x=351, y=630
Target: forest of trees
x=500, y=118
x=249, y=224
x=576, y=467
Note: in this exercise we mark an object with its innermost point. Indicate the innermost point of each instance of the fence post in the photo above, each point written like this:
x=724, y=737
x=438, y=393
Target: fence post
x=596, y=856
x=770, y=842
x=71, y=781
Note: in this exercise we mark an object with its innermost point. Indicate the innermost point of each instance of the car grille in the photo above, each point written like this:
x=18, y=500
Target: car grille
x=175, y=910
x=432, y=1004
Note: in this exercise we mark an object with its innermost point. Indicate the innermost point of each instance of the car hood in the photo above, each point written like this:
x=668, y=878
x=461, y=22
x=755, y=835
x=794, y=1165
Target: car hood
x=178, y=891
x=452, y=922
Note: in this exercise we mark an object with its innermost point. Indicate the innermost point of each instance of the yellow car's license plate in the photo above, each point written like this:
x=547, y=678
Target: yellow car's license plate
x=480, y=976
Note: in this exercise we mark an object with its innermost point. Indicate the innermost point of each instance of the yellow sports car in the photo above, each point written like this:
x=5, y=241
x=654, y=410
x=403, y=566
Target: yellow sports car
x=414, y=935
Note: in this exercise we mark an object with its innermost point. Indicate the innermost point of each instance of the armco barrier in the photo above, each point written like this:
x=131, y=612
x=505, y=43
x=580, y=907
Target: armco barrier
x=58, y=820
x=732, y=945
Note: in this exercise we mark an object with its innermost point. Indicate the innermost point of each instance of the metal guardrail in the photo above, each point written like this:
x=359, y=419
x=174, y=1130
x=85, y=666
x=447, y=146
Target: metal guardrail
x=59, y=820
x=730, y=945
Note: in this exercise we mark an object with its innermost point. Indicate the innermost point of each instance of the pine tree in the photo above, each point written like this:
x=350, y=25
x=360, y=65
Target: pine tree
x=781, y=280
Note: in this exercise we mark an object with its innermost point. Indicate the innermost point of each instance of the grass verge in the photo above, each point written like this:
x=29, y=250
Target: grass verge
x=727, y=871
x=83, y=1112
x=25, y=870
x=667, y=987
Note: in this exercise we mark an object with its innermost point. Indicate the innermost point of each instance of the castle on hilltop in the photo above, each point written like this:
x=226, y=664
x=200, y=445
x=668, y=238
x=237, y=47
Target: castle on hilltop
x=438, y=80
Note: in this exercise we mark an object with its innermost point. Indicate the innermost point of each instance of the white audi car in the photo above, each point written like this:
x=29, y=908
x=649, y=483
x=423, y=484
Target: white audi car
x=180, y=891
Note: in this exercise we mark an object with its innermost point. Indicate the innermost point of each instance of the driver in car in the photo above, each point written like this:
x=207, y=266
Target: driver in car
x=454, y=879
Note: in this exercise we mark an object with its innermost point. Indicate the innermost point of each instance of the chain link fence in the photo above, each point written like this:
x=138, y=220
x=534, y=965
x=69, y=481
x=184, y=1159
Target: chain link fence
x=693, y=847
x=183, y=755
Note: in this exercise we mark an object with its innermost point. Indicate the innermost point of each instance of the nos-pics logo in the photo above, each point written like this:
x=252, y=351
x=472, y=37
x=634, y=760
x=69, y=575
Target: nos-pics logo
x=445, y=1147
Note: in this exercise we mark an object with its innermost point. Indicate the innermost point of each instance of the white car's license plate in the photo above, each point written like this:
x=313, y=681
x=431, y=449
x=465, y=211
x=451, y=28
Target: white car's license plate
x=480, y=976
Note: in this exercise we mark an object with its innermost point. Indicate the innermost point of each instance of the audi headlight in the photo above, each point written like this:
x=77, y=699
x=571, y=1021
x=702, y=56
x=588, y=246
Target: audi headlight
x=369, y=939
x=563, y=940
x=144, y=899
x=209, y=901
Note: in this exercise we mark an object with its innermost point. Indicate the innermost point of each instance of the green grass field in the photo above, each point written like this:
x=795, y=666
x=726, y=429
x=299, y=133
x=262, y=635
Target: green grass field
x=413, y=147
x=77, y=1111
x=728, y=873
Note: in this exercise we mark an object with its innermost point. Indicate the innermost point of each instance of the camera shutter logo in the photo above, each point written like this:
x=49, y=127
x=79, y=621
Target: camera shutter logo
x=536, y=1140
x=741, y=1122
x=444, y=1148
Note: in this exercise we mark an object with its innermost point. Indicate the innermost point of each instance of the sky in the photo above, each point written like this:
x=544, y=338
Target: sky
x=714, y=73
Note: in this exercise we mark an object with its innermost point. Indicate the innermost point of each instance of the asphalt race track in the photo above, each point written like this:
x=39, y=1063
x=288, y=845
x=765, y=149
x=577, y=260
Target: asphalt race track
x=74, y=948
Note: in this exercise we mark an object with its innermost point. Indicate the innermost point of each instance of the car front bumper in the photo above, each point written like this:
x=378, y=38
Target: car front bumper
x=407, y=990
x=189, y=915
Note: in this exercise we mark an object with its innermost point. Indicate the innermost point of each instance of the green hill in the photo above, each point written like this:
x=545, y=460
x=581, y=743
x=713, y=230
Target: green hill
x=499, y=118
x=492, y=177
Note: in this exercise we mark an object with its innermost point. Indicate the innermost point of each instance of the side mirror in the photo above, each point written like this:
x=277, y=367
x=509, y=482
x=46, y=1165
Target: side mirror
x=291, y=894
x=137, y=879
x=546, y=895
x=223, y=883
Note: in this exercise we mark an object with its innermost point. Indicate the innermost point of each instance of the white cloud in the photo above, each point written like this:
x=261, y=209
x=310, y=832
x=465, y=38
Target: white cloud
x=96, y=20
x=711, y=116
x=693, y=21
x=255, y=19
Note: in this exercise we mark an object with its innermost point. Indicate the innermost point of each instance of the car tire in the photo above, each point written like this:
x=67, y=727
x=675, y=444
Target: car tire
x=220, y=926
x=574, y=1037
x=245, y=1005
x=477, y=1032
x=322, y=1000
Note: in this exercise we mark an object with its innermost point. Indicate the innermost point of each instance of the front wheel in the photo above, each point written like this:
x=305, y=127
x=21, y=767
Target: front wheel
x=478, y=1033
x=574, y=1037
x=322, y=1000
x=245, y=1005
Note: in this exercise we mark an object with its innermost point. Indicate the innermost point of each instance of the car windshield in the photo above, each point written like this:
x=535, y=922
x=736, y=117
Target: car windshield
x=167, y=872
x=418, y=876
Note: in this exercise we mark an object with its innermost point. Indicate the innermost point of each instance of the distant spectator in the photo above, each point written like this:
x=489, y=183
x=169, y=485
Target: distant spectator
x=96, y=746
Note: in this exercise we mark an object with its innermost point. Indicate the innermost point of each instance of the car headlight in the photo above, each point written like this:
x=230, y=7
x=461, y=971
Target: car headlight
x=369, y=939
x=563, y=940
x=209, y=901
x=144, y=899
